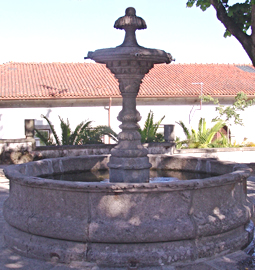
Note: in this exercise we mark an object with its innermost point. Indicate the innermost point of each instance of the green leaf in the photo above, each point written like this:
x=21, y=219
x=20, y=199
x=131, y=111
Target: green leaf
x=149, y=132
x=43, y=136
x=230, y=113
x=185, y=129
x=82, y=134
x=203, y=137
x=240, y=14
x=65, y=127
x=52, y=129
x=190, y=3
x=227, y=34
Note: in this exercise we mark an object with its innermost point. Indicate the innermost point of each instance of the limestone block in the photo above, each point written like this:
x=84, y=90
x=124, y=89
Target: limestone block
x=81, y=164
x=141, y=254
x=60, y=214
x=140, y=217
x=44, y=248
x=216, y=244
x=216, y=210
x=19, y=206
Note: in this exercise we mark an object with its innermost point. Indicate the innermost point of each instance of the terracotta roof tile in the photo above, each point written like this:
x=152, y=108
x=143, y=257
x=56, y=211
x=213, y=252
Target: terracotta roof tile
x=79, y=80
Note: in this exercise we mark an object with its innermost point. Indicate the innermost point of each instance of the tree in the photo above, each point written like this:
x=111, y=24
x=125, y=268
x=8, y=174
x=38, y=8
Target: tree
x=237, y=19
x=230, y=113
x=202, y=138
x=83, y=133
x=149, y=132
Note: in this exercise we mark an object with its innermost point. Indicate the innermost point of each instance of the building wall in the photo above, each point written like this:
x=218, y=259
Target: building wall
x=12, y=119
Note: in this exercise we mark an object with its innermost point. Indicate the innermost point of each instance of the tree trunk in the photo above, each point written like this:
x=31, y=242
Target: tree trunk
x=248, y=42
x=253, y=33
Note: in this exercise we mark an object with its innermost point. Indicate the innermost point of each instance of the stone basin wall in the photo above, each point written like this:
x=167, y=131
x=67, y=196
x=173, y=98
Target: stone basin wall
x=237, y=155
x=121, y=224
x=23, y=150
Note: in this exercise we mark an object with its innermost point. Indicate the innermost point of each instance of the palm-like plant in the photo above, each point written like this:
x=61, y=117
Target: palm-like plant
x=44, y=137
x=223, y=141
x=72, y=138
x=149, y=132
x=83, y=133
x=203, y=137
x=94, y=135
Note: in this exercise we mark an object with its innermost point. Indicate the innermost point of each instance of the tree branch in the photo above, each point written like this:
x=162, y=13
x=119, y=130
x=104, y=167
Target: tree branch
x=253, y=23
x=233, y=28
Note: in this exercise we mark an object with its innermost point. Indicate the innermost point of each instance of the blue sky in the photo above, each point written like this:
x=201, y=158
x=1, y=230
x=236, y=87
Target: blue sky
x=65, y=30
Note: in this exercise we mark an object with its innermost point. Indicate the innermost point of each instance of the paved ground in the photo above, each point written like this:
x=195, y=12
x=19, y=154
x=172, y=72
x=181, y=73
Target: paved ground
x=10, y=260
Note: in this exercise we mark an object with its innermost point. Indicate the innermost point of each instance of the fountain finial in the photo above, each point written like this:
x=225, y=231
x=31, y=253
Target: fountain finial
x=130, y=11
x=130, y=19
x=130, y=23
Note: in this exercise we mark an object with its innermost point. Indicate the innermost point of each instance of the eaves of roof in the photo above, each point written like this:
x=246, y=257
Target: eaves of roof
x=46, y=81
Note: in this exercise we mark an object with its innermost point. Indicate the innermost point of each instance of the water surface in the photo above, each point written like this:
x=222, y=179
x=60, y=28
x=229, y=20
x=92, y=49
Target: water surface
x=103, y=176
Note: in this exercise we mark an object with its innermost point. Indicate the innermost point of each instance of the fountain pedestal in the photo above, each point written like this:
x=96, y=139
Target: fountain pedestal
x=129, y=63
x=129, y=161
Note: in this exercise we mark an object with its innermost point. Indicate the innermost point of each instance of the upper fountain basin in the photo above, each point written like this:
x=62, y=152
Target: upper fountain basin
x=135, y=53
x=129, y=49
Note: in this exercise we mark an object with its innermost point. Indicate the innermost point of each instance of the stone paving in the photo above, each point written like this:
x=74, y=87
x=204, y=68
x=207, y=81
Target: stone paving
x=9, y=260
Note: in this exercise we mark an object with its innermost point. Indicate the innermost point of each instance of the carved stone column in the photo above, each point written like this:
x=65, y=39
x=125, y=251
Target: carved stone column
x=129, y=161
x=129, y=62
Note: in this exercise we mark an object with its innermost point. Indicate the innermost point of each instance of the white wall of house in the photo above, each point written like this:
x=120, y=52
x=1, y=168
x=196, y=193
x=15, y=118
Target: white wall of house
x=12, y=119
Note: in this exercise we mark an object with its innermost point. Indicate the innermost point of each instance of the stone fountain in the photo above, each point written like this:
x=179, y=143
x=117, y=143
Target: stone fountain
x=129, y=62
x=127, y=223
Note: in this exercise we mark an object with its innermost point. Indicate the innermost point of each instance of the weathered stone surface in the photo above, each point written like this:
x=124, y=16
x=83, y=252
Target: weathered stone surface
x=196, y=266
x=129, y=176
x=140, y=217
x=223, y=242
x=234, y=261
x=189, y=219
x=191, y=164
x=139, y=255
x=91, y=163
x=60, y=214
x=44, y=248
x=18, y=207
x=217, y=210
x=129, y=62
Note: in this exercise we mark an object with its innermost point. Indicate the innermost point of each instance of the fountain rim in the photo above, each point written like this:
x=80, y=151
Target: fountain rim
x=139, y=53
x=13, y=172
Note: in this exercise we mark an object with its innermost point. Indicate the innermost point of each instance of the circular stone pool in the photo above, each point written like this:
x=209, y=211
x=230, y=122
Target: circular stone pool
x=127, y=225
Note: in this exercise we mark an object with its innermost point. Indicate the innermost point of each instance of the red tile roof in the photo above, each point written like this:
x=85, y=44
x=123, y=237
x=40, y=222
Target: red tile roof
x=82, y=80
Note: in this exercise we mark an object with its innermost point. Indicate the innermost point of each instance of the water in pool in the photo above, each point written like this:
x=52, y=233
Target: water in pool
x=103, y=176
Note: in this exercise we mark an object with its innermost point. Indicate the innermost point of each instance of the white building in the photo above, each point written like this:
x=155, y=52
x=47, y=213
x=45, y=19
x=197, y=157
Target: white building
x=90, y=92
